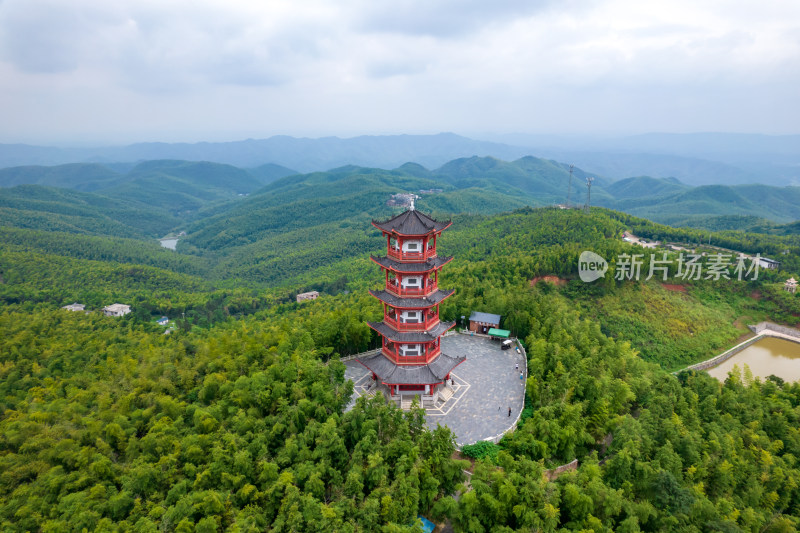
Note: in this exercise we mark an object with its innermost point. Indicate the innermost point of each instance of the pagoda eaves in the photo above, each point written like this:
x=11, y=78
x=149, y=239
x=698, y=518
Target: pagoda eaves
x=433, y=263
x=412, y=223
x=413, y=303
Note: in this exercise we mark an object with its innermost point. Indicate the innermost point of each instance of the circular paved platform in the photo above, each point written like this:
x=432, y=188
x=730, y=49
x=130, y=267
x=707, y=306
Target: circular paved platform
x=486, y=386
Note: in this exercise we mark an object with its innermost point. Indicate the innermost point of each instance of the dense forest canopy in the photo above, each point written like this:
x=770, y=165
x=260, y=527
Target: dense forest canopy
x=237, y=419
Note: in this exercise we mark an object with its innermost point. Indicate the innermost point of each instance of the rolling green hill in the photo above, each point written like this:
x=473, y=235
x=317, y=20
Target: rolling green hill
x=182, y=187
x=80, y=176
x=473, y=185
x=103, y=248
x=542, y=182
x=199, y=173
x=233, y=212
x=731, y=222
x=260, y=223
x=148, y=201
x=52, y=209
x=280, y=219
x=270, y=172
x=644, y=186
x=780, y=204
x=793, y=228
x=285, y=204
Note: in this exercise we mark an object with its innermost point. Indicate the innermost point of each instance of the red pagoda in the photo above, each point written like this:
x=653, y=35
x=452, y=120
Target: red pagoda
x=411, y=360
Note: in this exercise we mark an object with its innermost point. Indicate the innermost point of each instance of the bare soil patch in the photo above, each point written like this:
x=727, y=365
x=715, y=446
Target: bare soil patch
x=674, y=288
x=555, y=280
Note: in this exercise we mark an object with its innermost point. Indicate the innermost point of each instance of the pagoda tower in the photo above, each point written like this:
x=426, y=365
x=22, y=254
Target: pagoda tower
x=411, y=360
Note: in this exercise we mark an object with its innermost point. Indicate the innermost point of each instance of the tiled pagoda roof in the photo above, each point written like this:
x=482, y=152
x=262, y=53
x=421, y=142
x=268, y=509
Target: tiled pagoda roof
x=411, y=222
x=412, y=303
x=391, y=373
x=430, y=264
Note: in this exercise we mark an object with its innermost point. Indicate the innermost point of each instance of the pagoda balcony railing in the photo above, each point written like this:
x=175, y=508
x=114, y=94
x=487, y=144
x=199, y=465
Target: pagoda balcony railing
x=411, y=256
x=398, y=290
x=411, y=326
x=433, y=352
x=412, y=359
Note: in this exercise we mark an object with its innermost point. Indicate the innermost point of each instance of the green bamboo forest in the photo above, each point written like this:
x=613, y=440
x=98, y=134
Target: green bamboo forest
x=237, y=419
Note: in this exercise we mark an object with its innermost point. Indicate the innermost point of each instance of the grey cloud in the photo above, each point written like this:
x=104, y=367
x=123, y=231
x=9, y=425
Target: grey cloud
x=364, y=65
x=48, y=36
x=444, y=18
x=155, y=47
x=388, y=69
x=246, y=70
x=224, y=48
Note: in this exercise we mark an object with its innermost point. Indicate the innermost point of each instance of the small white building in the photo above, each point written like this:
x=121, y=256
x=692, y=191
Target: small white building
x=163, y=321
x=116, y=310
x=312, y=295
x=770, y=264
x=75, y=307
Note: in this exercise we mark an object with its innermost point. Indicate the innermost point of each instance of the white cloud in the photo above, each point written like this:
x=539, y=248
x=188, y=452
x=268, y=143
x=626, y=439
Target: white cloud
x=350, y=66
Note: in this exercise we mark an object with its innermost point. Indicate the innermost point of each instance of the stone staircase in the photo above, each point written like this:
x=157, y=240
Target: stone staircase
x=371, y=390
x=426, y=402
x=445, y=393
x=371, y=393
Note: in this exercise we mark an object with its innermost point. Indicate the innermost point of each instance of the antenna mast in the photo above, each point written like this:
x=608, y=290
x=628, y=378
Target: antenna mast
x=589, y=181
x=569, y=187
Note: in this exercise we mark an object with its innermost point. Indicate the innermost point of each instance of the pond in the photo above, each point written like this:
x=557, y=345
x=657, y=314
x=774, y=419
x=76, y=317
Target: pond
x=767, y=356
x=169, y=243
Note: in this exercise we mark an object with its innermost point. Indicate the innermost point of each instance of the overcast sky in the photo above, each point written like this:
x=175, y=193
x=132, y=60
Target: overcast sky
x=118, y=71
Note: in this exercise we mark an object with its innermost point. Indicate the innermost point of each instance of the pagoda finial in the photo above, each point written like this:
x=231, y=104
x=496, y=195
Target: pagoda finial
x=413, y=196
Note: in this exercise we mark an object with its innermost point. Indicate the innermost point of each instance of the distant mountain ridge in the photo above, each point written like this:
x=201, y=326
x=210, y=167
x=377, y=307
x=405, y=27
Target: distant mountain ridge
x=223, y=206
x=302, y=154
x=695, y=159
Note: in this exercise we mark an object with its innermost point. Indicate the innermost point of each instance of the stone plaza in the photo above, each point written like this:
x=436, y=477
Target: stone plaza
x=485, y=387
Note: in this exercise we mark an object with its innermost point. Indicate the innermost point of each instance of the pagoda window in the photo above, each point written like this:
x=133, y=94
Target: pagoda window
x=409, y=350
x=411, y=317
x=412, y=246
x=413, y=281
